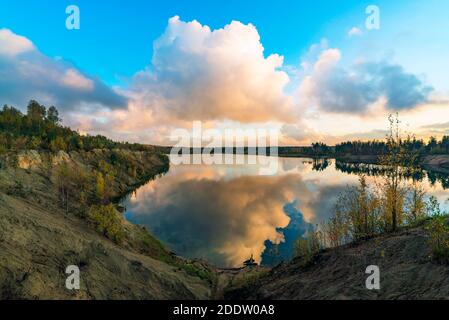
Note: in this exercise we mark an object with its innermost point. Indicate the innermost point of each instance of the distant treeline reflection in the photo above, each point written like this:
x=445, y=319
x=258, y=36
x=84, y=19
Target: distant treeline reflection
x=378, y=170
x=319, y=164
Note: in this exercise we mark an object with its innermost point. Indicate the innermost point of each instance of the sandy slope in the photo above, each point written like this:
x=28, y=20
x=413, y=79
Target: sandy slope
x=406, y=272
x=38, y=241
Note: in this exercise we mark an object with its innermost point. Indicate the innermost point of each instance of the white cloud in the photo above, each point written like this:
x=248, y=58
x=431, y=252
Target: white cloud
x=203, y=74
x=26, y=73
x=72, y=78
x=12, y=44
x=299, y=134
x=363, y=86
x=355, y=32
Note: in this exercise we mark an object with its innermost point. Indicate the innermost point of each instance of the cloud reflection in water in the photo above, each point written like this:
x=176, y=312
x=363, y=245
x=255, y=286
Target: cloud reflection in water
x=226, y=213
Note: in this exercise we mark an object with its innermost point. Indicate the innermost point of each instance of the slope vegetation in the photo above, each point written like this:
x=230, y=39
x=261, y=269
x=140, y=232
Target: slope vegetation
x=407, y=271
x=39, y=237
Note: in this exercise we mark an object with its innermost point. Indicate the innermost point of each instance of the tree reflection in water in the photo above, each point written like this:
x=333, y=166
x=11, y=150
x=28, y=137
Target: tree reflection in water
x=375, y=170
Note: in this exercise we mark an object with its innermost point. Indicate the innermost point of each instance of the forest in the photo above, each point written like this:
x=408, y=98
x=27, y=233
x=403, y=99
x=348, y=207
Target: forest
x=371, y=147
x=41, y=129
x=410, y=143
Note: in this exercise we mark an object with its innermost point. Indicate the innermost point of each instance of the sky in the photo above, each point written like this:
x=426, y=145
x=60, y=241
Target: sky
x=137, y=70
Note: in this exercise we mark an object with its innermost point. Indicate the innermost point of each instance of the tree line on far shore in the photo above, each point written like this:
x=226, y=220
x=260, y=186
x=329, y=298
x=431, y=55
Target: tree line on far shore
x=376, y=147
x=409, y=143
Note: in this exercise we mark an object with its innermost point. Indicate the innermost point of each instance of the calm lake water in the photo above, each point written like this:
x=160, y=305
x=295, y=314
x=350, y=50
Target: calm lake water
x=225, y=213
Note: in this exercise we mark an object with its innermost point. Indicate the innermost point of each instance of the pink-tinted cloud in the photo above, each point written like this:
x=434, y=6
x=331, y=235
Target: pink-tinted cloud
x=203, y=74
x=27, y=74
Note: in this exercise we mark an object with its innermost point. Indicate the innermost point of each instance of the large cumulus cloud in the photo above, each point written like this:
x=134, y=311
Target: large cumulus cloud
x=26, y=73
x=333, y=88
x=203, y=74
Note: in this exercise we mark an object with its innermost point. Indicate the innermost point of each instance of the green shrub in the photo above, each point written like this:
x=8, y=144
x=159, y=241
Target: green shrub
x=199, y=271
x=416, y=205
x=139, y=239
x=18, y=189
x=439, y=238
x=308, y=246
x=433, y=207
x=108, y=221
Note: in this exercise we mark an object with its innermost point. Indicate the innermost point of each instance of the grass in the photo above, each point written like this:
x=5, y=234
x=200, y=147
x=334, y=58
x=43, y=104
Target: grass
x=198, y=270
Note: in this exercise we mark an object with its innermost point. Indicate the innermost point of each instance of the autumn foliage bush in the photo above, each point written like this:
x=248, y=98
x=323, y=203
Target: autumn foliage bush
x=107, y=220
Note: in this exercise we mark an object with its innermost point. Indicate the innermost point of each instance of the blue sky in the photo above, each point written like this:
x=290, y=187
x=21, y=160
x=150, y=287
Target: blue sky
x=116, y=36
x=108, y=64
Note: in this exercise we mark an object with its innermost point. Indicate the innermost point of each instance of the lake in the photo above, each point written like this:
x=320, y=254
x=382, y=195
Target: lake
x=226, y=213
